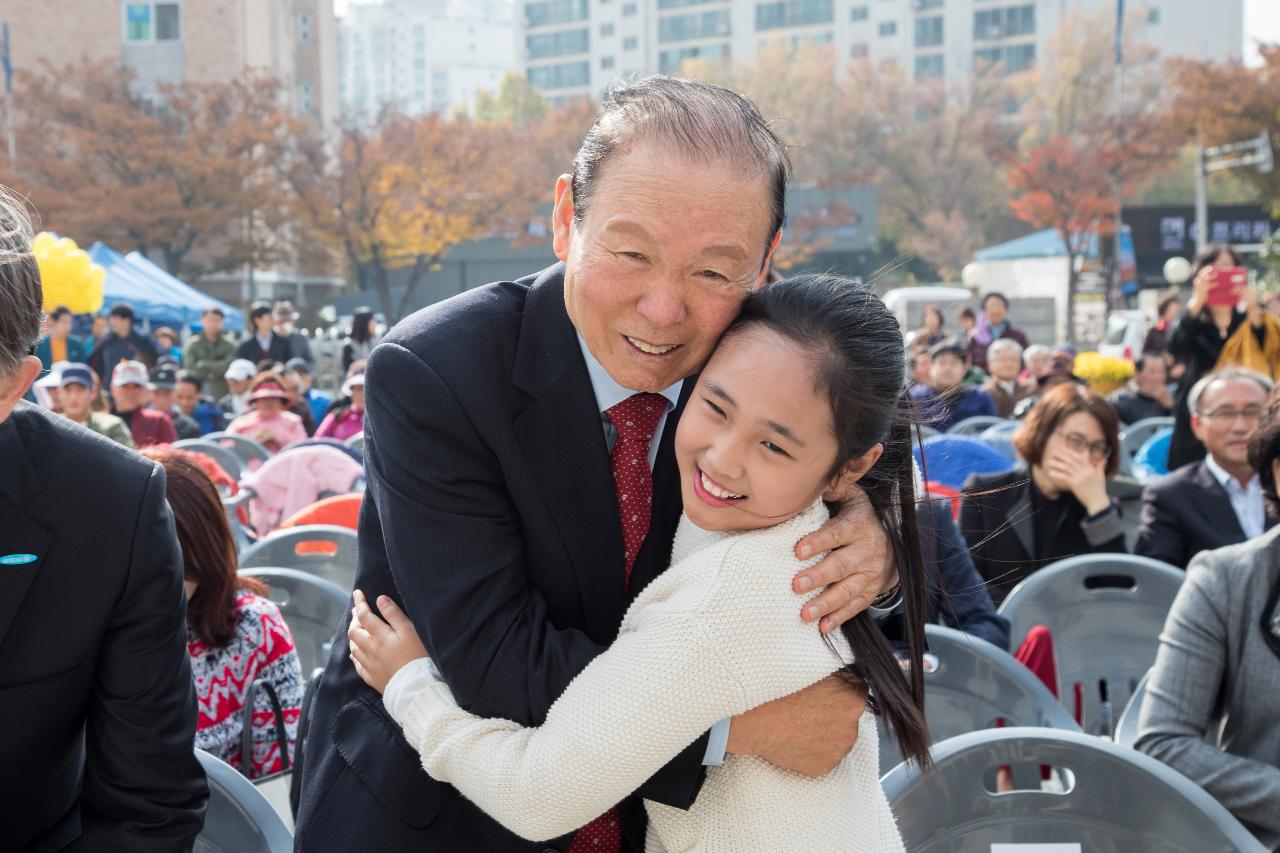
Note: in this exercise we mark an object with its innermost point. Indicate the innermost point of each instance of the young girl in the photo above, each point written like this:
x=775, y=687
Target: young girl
x=803, y=397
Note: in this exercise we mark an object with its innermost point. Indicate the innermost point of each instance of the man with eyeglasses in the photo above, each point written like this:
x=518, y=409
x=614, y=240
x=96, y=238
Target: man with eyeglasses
x=1217, y=501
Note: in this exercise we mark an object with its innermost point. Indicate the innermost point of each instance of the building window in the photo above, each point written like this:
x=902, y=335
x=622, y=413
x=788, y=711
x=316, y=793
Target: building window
x=137, y=22
x=628, y=10
x=993, y=24
x=555, y=12
x=304, y=27
x=560, y=76
x=859, y=50
x=167, y=22
x=888, y=28
x=1014, y=58
x=304, y=98
x=794, y=13
x=1153, y=16
x=929, y=66
x=630, y=43
x=693, y=26
x=671, y=60
x=677, y=4
x=859, y=13
x=929, y=31
x=560, y=43
x=922, y=5
x=606, y=62
x=606, y=30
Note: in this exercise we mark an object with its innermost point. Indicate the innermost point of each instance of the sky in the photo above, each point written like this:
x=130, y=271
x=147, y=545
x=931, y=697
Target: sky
x=1261, y=23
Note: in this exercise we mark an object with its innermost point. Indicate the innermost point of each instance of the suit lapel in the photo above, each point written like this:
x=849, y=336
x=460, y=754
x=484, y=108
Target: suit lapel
x=20, y=534
x=562, y=437
x=1218, y=511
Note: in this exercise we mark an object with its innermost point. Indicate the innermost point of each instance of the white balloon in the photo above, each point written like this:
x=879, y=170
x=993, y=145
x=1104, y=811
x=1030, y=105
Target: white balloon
x=1177, y=270
x=971, y=276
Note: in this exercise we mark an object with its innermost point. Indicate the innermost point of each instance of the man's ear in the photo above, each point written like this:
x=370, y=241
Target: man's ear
x=562, y=218
x=768, y=260
x=16, y=383
x=852, y=472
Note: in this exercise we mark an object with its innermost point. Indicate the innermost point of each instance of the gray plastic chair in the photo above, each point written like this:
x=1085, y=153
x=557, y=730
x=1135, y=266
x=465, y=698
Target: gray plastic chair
x=1117, y=800
x=975, y=425
x=292, y=548
x=356, y=441
x=974, y=684
x=226, y=458
x=249, y=451
x=1134, y=435
x=1105, y=612
x=312, y=608
x=239, y=819
x=1127, y=725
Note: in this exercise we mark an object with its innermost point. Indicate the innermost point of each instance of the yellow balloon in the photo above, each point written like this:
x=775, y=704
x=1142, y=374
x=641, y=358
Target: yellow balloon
x=42, y=241
x=69, y=275
x=97, y=275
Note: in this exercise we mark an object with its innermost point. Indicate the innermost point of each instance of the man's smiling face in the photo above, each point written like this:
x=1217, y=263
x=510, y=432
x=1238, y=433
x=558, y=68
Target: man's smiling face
x=660, y=263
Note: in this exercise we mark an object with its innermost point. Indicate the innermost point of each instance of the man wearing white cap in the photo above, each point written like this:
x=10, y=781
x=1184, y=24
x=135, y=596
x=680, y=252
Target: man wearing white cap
x=129, y=391
x=236, y=401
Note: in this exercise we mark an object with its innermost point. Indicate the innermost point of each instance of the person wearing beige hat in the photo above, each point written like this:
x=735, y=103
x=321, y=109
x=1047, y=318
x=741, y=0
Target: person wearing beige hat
x=269, y=423
x=284, y=316
x=129, y=396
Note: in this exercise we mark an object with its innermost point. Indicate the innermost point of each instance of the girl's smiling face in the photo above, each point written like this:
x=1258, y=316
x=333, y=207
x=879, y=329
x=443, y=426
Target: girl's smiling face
x=756, y=443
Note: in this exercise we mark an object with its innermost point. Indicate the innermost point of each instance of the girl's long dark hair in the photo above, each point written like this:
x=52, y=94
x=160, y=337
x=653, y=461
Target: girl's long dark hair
x=858, y=362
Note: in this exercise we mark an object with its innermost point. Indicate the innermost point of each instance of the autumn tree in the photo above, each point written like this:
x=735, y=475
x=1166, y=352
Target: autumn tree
x=1221, y=102
x=1080, y=152
x=187, y=178
x=400, y=195
x=517, y=103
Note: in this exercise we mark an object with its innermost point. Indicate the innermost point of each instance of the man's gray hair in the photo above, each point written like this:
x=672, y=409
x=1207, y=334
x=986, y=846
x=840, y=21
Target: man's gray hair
x=1031, y=351
x=698, y=120
x=20, y=292
x=999, y=345
x=1226, y=374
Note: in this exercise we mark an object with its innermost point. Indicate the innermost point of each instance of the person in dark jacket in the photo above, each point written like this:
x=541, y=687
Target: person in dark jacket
x=1197, y=340
x=262, y=345
x=121, y=343
x=96, y=698
x=946, y=400
x=993, y=325
x=163, y=387
x=1217, y=501
x=284, y=317
x=1168, y=310
x=1148, y=395
x=1023, y=520
x=188, y=396
x=362, y=338
x=60, y=344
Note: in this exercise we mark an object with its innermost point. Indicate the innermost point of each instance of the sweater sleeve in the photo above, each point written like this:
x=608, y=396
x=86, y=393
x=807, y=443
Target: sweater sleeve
x=1181, y=697
x=651, y=694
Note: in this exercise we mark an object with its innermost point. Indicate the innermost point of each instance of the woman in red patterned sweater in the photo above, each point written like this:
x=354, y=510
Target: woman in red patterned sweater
x=235, y=634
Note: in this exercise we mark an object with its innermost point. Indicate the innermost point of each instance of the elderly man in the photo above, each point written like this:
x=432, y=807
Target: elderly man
x=1218, y=500
x=1004, y=362
x=77, y=399
x=285, y=316
x=492, y=512
x=1148, y=394
x=96, y=699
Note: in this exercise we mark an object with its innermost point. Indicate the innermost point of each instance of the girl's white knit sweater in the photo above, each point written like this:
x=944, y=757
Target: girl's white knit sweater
x=715, y=635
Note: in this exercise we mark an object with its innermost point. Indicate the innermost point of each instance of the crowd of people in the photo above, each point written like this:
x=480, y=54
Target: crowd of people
x=626, y=518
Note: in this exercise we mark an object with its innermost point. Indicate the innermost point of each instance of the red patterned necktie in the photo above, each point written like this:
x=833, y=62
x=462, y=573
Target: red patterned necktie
x=636, y=420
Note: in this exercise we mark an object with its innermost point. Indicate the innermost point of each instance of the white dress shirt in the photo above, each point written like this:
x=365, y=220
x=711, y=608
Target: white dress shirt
x=1246, y=501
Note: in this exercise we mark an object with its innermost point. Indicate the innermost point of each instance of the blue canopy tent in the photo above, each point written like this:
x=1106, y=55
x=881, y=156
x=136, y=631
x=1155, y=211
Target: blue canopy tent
x=156, y=296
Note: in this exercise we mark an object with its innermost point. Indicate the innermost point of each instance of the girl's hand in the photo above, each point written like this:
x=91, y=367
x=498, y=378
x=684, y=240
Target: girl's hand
x=1083, y=477
x=378, y=648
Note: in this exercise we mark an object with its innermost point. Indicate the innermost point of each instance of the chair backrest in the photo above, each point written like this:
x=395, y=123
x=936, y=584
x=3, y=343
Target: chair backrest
x=975, y=425
x=1152, y=459
x=339, y=510
x=356, y=441
x=1105, y=612
x=251, y=453
x=239, y=819
x=312, y=608
x=225, y=457
x=1117, y=799
x=1134, y=435
x=976, y=686
x=324, y=550
x=950, y=459
x=1127, y=725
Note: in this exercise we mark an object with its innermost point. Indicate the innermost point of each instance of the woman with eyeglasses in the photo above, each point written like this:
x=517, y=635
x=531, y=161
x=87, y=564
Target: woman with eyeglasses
x=1058, y=505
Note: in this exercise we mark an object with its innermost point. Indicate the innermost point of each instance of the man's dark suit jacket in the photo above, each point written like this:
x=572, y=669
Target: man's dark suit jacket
x=491, y=517
x=97, y=708
x=1186, y=512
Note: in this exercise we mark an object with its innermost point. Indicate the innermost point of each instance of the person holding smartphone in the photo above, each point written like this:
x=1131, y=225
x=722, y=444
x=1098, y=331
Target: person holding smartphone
x=1221, y=301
